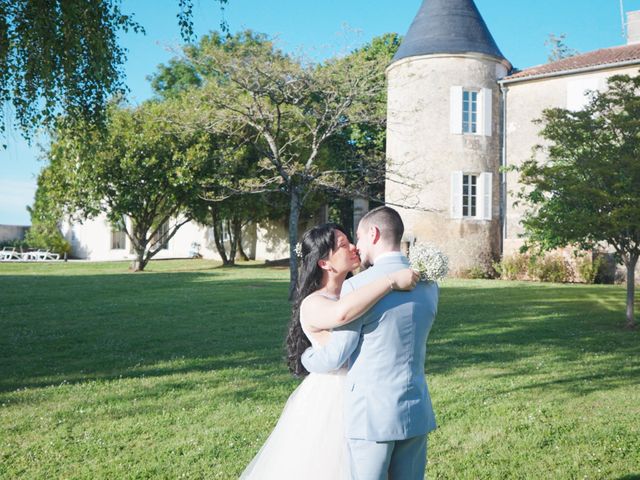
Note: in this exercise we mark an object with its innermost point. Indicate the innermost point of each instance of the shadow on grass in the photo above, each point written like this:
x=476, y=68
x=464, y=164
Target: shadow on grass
x=574, y=330
x=100, y=327
x=80, y=328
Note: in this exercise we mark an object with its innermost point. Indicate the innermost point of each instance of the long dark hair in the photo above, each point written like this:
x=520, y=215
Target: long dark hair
x=317, y=243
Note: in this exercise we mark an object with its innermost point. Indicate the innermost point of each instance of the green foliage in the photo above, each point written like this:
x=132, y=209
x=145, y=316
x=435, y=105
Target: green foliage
x=17, y=244
x=179, y=372
x=586, y=188
x=290, y=108
x=514, y=267
x=46, y=214
x=360, y=149
x=47, y=237
x=479, y=272
x=550, y=268
x=63, y=56
x=60, y=55
x=589, y=268
x=544, y=268
x=137, y=168
x=558, y=49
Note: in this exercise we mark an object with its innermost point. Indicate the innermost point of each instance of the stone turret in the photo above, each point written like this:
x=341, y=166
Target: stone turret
x=443, y=138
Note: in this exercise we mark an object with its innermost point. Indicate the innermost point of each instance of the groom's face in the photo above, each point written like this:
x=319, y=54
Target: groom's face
x=364, y=244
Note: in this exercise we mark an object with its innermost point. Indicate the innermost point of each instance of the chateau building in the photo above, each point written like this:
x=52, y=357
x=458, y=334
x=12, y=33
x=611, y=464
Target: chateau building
x=458, y=111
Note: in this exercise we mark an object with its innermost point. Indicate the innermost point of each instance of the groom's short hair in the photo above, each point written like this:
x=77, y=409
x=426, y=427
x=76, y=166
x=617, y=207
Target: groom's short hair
x=388, y=222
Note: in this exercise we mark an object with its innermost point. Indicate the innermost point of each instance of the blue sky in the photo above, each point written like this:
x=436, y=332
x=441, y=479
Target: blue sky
x=321, y=29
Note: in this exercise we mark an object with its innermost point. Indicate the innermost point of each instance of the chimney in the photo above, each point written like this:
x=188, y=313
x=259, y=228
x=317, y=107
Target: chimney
x=633, y=27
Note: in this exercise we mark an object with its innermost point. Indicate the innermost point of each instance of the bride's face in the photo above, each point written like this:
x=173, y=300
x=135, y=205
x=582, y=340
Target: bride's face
x=344, y=256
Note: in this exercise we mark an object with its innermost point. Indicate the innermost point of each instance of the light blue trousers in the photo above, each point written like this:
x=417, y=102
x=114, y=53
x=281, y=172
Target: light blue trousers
x=397, y=460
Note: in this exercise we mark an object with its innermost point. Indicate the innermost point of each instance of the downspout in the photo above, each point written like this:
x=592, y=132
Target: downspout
x=503, y=173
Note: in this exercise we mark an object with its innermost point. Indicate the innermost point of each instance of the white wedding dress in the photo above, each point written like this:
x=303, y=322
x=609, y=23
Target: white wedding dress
x=308, y=441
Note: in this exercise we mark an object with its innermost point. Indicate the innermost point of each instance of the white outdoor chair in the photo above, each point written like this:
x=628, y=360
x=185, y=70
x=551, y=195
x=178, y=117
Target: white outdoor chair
x=29, y=255
x=47, y=255
x=9, y=253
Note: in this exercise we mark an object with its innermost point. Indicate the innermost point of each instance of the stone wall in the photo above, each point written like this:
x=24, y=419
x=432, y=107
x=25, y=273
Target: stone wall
x=12, y=232
x=422, y=153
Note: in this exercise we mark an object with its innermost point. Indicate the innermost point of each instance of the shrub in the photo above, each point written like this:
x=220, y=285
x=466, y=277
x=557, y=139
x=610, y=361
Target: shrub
x=589, y=268
x=47, y=237
x=515, y=267
x=479, y=272
x=551, y=268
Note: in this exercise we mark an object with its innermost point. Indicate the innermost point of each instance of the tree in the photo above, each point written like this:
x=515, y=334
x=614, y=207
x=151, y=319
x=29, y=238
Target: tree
x=46, y=215
x=223, y=203
x=291, y=107
x=360, y=148
x=63, y=56
x=137, y=168
x=587, y=190
x=558, y=49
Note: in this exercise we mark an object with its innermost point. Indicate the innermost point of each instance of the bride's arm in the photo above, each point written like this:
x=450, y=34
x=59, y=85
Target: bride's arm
x=321, y=313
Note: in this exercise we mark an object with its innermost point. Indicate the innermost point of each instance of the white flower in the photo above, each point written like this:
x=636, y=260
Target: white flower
x=429, y=262
x=298, y=250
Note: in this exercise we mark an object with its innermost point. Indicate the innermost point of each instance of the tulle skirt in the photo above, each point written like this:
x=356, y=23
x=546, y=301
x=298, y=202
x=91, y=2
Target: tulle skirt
x=308, y=441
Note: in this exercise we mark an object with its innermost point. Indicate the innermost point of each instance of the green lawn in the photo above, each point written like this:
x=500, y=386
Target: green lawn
x=178, y=372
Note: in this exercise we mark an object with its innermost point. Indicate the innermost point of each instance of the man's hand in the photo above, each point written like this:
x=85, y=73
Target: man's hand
x=405, y=279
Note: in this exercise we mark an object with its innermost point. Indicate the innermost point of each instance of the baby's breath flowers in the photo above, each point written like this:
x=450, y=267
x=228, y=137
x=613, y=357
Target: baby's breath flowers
x=430, y=263
x=298, y=250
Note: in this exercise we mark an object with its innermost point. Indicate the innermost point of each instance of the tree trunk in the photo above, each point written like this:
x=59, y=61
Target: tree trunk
x=140, y=261
x=139, y=246
x=233, y=242
x=237, y=235
x=631, y=287
x=216, y=223
x=294, y=216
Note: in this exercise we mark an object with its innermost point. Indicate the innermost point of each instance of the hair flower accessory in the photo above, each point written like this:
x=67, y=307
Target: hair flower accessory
x=298, y=250
x=430, y=263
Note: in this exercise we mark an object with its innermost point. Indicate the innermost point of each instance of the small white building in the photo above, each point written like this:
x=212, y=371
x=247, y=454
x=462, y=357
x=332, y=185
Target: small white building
x=97, y=239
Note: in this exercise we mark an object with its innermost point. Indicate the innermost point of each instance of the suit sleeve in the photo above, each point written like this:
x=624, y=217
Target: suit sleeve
x=342, y=344
x=334, y=354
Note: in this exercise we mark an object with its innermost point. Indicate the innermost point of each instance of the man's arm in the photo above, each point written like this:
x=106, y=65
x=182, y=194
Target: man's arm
x=333, y=355
x=342, y=344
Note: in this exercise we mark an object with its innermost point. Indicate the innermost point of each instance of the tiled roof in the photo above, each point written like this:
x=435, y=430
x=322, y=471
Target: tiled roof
x=604, y=56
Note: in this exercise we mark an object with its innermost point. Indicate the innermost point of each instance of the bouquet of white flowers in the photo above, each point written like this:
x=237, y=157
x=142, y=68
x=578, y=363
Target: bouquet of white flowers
x=429, y=262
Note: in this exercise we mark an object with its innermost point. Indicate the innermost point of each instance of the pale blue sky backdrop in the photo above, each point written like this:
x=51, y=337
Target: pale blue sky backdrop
x=321, y=29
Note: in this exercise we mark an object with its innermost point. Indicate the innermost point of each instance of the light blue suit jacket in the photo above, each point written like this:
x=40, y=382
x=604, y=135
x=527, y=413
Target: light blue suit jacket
x=387, y=396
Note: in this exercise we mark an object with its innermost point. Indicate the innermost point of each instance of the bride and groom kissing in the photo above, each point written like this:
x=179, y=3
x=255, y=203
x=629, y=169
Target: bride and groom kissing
x=363, y=410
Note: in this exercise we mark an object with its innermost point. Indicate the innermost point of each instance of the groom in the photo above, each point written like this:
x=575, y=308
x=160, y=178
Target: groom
x=387, y=406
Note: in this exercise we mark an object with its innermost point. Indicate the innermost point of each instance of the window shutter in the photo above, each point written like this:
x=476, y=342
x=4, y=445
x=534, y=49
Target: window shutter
x=456, y=194
x=455, y=101
x=484, y=196
x=485, y=114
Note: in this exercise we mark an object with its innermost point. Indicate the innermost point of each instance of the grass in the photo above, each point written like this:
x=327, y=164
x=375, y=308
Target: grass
x=178, y=373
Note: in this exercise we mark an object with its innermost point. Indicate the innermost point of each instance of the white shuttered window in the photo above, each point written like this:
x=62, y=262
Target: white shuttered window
x=485, y=112
x=484, y=196
x=456, y=194
x=471, y=110
x=456, y=109
x=471, y=195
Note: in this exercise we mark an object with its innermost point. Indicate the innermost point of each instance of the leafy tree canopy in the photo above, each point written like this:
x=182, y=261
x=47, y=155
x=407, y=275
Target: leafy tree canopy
x=63, y=56
x=585, y=190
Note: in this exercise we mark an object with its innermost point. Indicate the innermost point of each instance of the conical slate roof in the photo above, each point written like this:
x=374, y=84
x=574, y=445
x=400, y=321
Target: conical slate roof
x=448, y=26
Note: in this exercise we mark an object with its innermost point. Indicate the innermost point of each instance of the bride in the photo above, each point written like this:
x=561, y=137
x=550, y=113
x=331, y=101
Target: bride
x=308, y=441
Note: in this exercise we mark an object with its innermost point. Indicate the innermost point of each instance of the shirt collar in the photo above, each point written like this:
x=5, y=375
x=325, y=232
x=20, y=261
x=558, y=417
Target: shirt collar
x=388, y=255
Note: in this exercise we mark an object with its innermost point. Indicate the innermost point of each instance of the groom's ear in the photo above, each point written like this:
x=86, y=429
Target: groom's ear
x=374, y=234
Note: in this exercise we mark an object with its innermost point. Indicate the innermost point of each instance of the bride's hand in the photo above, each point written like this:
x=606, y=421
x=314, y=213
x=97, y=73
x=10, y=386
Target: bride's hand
x=405, y=279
